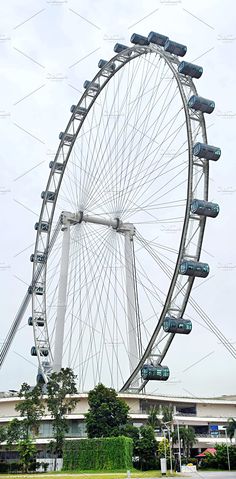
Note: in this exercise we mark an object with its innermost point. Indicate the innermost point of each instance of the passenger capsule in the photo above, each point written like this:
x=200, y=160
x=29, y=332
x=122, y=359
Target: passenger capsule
x=90, y=85
x=80, y=110
x=30, y=290
x=176, y=48
x=38, y=321
x=156, y=373
x=201, y=104
x=56, y=166
x=205, y=208
x=40, y=258
x=194, y=268
x=139, y=39
x=103, y=63
x=38, y=290
x=208, y=152
x=194, y=71
x=157, y=38
x=118, y=48
x=48, y=196
x=177, y=325
x=42, y=227
x=43, y=351
x=67, y=137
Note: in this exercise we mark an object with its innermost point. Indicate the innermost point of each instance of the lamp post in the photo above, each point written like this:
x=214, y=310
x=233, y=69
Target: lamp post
x=180, y=464
x=168, y=431
x=227, y=447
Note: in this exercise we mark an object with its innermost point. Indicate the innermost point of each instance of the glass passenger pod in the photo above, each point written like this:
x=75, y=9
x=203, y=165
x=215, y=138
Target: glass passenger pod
x=66, y=137
x=38, y=320
x=194, y=268
x=139, y=39
x=204, y=208
x=56, y=166
x=40, y=379
x=177, y=325
x=155, y=373
x=90, y=85
x=201, y=104
x=157, y=38
x=40, y=258
x=103, y=63
x=79, y=110
x=42, y=351
x=208, y=152
x=118, y=48
x=42, y=227
x=186, y=68
x=49, y=196
x=175, y=48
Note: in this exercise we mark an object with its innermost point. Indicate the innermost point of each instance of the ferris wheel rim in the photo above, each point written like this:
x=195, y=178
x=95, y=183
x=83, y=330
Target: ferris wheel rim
x=138, y=51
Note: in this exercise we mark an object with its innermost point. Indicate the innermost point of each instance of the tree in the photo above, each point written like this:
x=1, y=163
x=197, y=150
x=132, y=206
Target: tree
x=27, y=452
x=107, y=413
x=231, y=427
x=147, y=448
x=31, y=409
x=167, y=414
x=164, y=448
x=59, y=402
x=153, y=419
x=187, y=438
x=3, y=434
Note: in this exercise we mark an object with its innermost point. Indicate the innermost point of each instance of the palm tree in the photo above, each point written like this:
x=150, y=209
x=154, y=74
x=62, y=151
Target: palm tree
x=231, y=427
x=187, y=438
x=167, y=414
x=153, y=419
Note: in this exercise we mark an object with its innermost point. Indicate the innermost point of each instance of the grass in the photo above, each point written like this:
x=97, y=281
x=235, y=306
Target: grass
x=92, y=475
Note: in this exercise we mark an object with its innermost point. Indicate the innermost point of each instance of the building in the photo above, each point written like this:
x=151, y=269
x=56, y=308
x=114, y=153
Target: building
x=207, y=416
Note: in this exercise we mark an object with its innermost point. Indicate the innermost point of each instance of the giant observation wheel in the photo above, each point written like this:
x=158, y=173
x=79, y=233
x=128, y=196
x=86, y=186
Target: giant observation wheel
x=122, y=221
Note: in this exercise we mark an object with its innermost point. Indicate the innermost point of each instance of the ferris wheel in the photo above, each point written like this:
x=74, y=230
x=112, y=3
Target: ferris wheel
x=119, y=235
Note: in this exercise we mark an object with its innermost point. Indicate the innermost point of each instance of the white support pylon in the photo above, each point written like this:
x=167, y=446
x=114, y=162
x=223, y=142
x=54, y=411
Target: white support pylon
x=131, y=304
x=62, y=298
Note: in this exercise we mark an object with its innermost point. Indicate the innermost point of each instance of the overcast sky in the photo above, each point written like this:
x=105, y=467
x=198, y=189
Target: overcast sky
x=48, y=48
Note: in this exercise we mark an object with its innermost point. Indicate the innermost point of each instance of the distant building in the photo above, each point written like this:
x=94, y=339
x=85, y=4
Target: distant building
x=207, y=416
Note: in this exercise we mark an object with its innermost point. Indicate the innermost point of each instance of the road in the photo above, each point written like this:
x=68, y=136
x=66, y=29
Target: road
x=210, y=475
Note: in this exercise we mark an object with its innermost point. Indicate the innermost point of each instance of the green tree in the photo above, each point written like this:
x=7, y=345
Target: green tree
x=147, y=448
x=153, y=419
x=231, y=427
x=107, y=413
x=14, y=431
x=128, y=430
x=60, y=387
x=3, y=434
x=31, y=409
x=27, y=452
x=167, y=414
x=187, y=438
x=164, y=448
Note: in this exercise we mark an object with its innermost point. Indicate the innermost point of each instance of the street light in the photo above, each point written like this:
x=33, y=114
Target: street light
x=180, y=464
x=227, y=447
x=168, y=431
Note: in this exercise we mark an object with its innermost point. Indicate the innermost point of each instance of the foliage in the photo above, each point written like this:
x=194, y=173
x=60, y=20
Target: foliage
x=231, y=427
x=187, y=438
x=98, y=454
x=220, y=459
x=147, y=448
x=167, y=414
x=14, y=431
x=31, y=408
x=3, y=434
x=27, y=453
x=128, y=430
x=59, y=403
x=164, y=448
x=153, y=419
x=107, y=413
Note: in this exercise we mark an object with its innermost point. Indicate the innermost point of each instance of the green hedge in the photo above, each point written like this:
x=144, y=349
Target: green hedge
x=96, y=454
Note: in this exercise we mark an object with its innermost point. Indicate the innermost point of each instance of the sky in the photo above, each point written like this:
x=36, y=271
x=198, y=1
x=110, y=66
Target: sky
x=48, y=48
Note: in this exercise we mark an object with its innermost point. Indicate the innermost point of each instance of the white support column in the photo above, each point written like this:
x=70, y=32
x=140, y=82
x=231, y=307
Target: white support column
x=62, y=299
x=131, y=308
